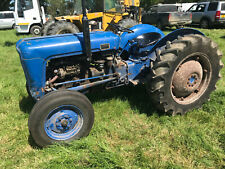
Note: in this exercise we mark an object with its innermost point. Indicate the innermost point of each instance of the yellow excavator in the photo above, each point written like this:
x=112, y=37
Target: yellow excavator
x=126, y=13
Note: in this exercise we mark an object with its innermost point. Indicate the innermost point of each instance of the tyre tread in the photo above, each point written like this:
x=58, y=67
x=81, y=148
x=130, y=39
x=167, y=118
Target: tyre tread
x=161, y=68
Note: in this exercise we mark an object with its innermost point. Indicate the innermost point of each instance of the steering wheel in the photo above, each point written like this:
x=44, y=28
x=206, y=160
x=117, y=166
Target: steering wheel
x=120, y=28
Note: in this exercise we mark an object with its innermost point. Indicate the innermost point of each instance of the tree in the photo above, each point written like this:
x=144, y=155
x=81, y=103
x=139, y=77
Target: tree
x=56, y=7
x=7, y=5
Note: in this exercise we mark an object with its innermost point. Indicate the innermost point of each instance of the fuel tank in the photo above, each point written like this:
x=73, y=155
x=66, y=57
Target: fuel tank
x=66, y=44
x=137, y=31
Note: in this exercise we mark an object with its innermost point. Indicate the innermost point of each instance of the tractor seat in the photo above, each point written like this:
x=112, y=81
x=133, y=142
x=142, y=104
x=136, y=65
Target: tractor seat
x=147, y=39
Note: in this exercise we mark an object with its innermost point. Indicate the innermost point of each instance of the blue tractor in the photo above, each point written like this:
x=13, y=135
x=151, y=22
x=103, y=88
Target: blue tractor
x=180, y=71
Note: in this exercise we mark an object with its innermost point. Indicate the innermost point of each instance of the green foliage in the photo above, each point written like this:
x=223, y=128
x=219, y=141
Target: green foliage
x=128, y=132
x=7, y=5
x=56, y=7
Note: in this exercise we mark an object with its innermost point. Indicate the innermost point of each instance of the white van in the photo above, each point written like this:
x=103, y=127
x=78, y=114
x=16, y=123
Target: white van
x=7, y=20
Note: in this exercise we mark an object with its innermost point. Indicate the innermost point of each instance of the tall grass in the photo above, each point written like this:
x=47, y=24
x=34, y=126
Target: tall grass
x=128, y=132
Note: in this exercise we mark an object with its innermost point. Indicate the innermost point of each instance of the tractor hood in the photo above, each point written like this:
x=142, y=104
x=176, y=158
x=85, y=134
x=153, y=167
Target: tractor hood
x=67, y=44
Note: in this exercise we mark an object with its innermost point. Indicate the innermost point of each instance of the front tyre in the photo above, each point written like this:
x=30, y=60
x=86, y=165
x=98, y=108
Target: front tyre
x=61, y=116
x=185, y=74
x=35, y=30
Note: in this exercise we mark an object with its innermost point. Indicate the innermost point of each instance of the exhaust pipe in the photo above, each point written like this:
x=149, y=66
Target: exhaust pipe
x=86, y=32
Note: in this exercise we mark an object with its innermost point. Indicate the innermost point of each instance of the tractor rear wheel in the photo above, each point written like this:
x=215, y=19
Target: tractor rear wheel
x=63, y=27
x=61, y=117
x=184, y=74
x=127, y=23
x=47, y=27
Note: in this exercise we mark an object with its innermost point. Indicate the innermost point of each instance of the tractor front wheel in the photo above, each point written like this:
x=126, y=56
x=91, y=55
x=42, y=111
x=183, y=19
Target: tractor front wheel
x=185, y=74
x=61, y=116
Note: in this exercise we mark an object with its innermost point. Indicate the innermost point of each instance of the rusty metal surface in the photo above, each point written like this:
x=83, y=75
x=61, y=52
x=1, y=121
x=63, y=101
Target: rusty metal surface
x=187, y=78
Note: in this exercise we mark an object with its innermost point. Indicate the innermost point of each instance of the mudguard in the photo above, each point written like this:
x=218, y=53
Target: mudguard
x=174, y=35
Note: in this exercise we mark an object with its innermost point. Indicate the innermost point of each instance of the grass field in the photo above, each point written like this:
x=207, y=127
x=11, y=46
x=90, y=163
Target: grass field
x=128, y=132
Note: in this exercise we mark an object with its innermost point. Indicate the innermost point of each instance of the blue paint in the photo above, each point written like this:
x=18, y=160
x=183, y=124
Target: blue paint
x=36, y=52
x=138, y=30
x=64, y=122
x=192, y=80
x=135, y=67
x=61, y=45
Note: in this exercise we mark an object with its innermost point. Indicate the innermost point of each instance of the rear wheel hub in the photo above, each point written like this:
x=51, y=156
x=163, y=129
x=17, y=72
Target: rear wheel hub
x=187, y=78
x=191, y=78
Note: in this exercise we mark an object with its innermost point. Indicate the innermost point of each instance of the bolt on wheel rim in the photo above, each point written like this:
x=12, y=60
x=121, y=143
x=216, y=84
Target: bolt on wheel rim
x=191, y=78
x=64, y=122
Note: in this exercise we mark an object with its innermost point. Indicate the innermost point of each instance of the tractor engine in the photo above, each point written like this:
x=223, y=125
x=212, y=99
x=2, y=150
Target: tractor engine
x=61, y=71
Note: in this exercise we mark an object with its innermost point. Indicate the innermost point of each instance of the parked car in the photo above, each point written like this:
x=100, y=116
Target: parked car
x=186, y=6
x=208, y=14
x=163, y=15
x=7, y=20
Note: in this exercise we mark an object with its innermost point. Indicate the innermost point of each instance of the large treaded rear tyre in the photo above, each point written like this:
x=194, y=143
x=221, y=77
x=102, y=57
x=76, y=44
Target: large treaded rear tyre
x=127, y=23
x=184, y=74
x=61, y=116
x=47, y=27
x=63, y=27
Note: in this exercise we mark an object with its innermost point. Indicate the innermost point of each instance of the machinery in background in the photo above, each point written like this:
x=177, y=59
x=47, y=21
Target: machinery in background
x=166, y=15
x=7, y=20
x=126, y=13
x=29, y=16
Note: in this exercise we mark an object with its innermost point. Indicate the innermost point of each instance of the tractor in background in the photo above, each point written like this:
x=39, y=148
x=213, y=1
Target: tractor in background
x=30, y=17
x=126, y=13
x=180, y=70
